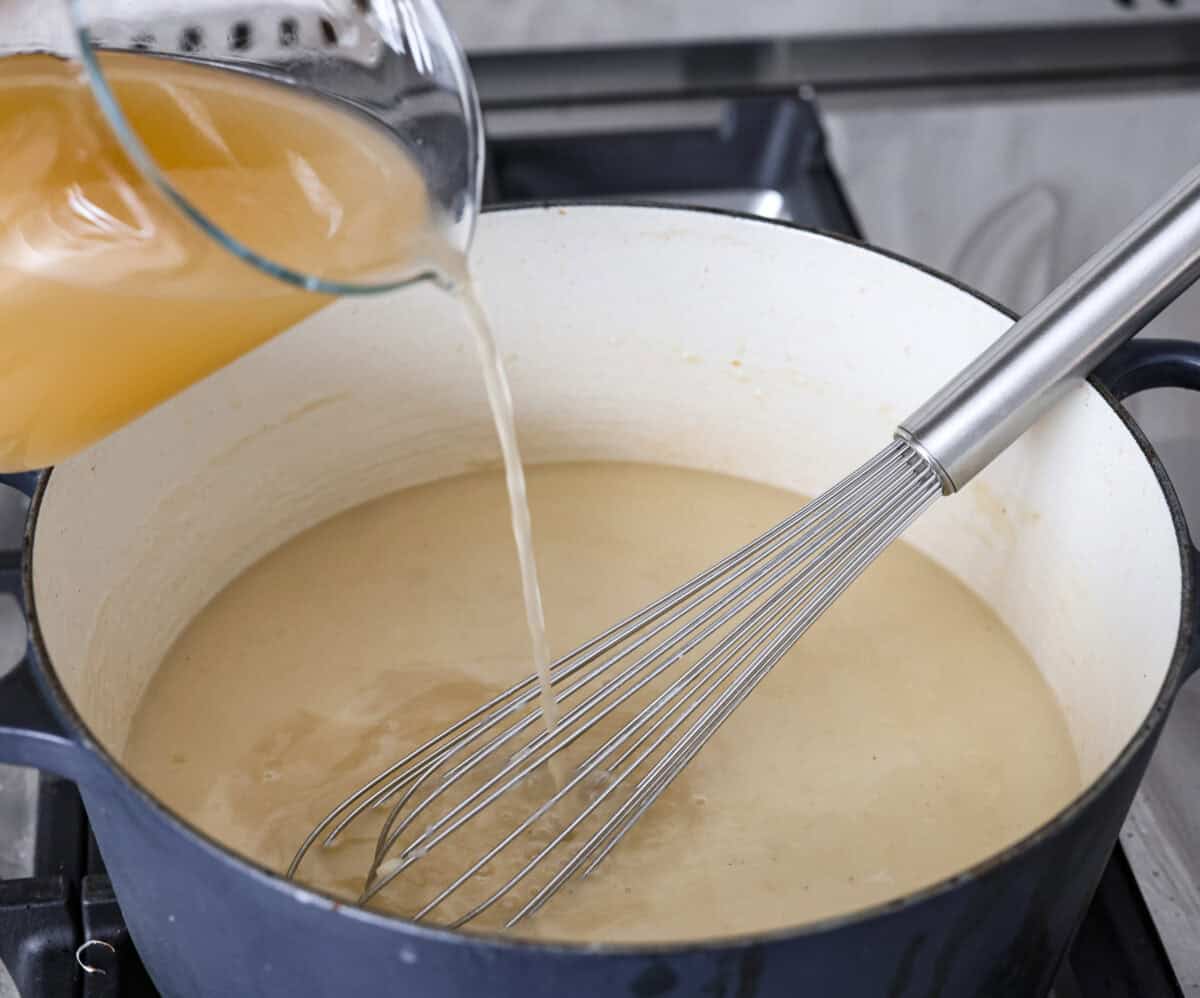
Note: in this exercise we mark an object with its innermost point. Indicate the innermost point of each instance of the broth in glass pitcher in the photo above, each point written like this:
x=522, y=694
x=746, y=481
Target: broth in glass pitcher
x=187, y=184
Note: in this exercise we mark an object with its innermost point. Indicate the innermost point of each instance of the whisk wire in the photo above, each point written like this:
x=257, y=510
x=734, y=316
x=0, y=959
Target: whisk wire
x=664, y=772
x=561, y=669
x=751, y=607
x=368, y=796
x=793, y=554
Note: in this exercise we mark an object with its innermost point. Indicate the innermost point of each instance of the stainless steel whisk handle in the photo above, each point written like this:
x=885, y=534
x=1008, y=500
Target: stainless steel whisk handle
x=999, y=395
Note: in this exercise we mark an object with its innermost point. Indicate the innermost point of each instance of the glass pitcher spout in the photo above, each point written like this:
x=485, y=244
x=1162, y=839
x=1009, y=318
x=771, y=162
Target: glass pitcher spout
x=392, y=66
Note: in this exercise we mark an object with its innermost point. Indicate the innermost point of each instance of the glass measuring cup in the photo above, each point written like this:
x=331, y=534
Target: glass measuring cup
x=188, y=179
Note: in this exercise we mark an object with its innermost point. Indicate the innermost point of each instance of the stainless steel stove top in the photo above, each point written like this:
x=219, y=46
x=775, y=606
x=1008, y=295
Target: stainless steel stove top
x=1162, y=838
x=485, y=26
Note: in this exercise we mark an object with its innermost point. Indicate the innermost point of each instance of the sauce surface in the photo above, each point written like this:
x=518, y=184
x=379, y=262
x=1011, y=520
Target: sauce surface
x=906, y=737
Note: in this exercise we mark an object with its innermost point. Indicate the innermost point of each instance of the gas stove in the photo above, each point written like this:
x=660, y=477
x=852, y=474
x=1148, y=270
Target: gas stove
x=61, y=931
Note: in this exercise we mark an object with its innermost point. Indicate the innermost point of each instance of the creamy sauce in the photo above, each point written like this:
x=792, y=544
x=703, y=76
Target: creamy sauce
x=906, y=737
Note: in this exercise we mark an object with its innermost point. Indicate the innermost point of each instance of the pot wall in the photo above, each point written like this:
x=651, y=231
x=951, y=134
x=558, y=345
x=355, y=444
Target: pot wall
x=644, y=334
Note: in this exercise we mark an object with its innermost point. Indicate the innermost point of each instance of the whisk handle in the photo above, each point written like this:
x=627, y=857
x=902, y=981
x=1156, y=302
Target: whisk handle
x=999, y=395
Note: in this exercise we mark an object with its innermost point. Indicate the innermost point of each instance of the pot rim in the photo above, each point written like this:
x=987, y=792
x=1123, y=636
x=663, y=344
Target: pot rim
x=47, y=679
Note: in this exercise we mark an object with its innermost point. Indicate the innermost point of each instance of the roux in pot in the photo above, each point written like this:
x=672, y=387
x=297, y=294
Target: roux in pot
x=906, y=737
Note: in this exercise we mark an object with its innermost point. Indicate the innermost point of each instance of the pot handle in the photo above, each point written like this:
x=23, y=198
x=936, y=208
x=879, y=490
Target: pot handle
x=1143, y=364
x=30, y=734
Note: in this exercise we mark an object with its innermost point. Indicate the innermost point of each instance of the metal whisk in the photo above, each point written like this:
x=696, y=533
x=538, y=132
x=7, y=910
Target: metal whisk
x=640, y=700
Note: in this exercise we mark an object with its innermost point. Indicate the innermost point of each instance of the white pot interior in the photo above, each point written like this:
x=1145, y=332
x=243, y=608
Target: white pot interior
x=638, y=334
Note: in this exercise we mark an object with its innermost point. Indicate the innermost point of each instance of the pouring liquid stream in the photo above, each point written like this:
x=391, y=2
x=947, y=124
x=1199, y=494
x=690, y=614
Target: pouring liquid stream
x=499, y=394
